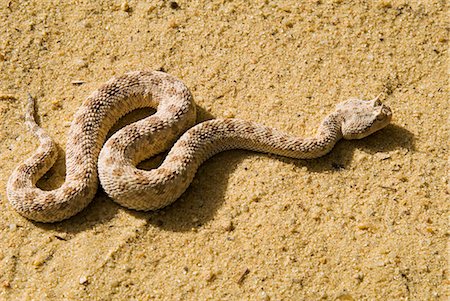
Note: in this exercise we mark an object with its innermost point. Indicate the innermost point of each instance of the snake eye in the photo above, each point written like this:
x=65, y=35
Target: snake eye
x=377, y=103
x=381, y=115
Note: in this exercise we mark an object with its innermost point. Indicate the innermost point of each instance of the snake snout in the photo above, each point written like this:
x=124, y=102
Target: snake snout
x=384, y=113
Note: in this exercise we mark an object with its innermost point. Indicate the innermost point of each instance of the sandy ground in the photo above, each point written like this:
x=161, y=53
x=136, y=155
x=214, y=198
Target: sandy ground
x=367, y=222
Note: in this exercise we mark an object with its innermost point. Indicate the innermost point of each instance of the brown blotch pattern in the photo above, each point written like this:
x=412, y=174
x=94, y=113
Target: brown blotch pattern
x=162, y=171
x=18, y=184
x=30, y=195
x=250, y=130
x=172, y=90
x=22, y=169
x=183, y=144
x=50, y=197
x=173, y=158
x=117, y=172
x=110, y=160
x=142, y=180
x=282, y=140
x=69, y=190
x=173, y=109
x=79, y=159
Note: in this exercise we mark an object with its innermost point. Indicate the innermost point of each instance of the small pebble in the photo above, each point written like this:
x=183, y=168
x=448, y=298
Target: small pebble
x=56, y=105
x=125, y=6
x=61, y=236
x=382, y=156
x=115, y=283
x=359, y=277
x=380, y=263
x=210, y=277
x=430, y=230
x=264, y=296
x=77, y=82
x=228, y=114
x=12, y=227
x=363, y=226
x=85, y=24
x=80, y=63
x=244, y=274
x=174, y=5
x=255, y=198
x=228, y=226
x=38, y=262
x=83, y=280
x=6, y=284
x=173, y=23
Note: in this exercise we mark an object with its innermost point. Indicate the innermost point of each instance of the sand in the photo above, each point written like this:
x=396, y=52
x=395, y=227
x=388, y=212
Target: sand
x=369, y=221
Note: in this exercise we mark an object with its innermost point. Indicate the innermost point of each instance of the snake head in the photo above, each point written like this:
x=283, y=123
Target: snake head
x=363, y=117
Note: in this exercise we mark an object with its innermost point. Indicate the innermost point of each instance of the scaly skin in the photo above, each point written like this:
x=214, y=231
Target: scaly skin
x=175, y=115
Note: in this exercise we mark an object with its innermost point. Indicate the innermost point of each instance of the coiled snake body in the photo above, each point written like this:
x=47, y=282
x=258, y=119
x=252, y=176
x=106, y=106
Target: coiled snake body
x=114, y=163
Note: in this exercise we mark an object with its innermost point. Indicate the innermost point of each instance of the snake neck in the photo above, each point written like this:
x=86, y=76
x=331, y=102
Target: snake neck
x=331, y=128
x=329, y=132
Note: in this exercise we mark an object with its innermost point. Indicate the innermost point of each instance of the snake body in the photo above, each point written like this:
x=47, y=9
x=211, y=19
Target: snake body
x=89, y=158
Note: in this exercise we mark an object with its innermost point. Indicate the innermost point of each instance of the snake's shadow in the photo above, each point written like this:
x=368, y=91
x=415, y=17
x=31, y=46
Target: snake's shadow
x=388, y=139
x=195, y=207
x=102, y=209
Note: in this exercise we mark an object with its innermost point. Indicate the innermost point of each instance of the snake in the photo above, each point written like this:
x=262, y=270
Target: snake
x=92, y=159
